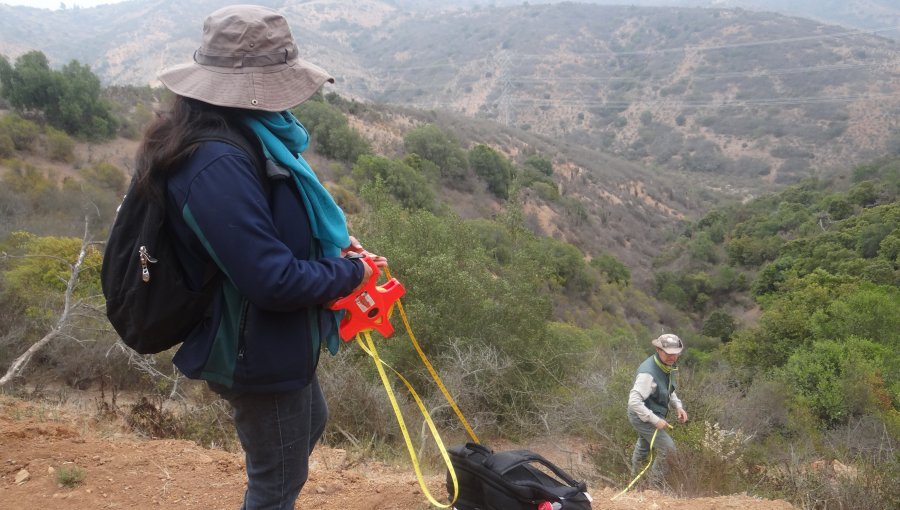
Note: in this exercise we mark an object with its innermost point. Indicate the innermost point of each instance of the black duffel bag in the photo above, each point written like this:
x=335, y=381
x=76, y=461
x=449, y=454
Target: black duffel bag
x=512, y=481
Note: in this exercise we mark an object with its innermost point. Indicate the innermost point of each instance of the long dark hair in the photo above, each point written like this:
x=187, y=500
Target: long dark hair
x=170, y=140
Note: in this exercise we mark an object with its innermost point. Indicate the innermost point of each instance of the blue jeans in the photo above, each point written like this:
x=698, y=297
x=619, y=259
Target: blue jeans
x=662, y=447
x=278, y=431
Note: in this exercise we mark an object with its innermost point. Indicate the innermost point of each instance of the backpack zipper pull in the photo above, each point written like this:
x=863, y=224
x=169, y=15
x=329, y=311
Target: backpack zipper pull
x=145, y=259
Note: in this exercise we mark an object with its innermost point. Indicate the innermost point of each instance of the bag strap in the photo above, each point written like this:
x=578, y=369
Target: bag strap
x=246, y=141
x=479, y=448
x=527, y=457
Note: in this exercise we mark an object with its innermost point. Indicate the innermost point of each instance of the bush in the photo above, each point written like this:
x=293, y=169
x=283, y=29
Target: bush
x=7, y=147
x=614, y=269
x=408, y=186
x=840, y=379
x=442, y=149
x=70, y=476
x=720, y=324
x=493, y=167
x=59, y=146
x=23, y=133
x=709, y=460
x=105, y=176
x=332, y=134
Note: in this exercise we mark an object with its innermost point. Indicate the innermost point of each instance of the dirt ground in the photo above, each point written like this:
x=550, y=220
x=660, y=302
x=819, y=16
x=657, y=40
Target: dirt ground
x=122, y=470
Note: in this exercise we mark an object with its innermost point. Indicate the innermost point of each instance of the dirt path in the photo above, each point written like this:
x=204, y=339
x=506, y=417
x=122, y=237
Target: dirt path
x=128, y=472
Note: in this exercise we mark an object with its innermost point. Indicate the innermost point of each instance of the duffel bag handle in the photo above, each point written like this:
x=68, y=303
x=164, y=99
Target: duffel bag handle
x=479, y=448
x=529, y=457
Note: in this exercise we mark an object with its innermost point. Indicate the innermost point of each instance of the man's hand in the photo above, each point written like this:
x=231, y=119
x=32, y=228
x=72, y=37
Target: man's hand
x=662, y=424
x=682, y=415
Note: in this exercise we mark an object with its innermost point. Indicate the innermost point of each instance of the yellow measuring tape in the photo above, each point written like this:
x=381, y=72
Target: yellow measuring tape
x=369, y=347
x=649, y=463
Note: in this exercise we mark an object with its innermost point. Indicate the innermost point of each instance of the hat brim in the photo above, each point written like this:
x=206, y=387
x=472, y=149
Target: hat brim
x=264, y=89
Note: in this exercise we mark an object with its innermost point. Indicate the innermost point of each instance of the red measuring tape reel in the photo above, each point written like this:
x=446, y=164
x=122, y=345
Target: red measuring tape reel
x=371, y=307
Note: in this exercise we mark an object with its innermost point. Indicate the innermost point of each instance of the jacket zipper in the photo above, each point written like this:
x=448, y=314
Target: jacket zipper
x=242, y=324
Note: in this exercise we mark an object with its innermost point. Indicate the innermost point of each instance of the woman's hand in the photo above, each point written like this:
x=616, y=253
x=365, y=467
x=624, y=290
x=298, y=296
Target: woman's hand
x=356, y=247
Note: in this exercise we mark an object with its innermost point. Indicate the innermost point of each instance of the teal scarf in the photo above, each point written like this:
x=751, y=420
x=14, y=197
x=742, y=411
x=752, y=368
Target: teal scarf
x=283, y=139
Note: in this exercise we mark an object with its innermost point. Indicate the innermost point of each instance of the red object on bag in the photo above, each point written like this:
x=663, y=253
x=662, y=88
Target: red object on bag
x=371, y=307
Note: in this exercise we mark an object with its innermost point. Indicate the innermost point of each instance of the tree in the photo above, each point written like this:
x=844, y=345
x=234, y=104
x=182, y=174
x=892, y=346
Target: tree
x=69, y=99
x=493, y=167
x=614, y=269
x=840, y=378
x=80, y=109
x=46, y=265
x=720, y=324
x=331, y=132
x=539, y=164
x=442, y=149
x=30, y=85
x=404, y=183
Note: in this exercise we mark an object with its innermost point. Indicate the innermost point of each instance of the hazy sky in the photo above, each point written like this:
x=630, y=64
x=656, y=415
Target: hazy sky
x=55, y=4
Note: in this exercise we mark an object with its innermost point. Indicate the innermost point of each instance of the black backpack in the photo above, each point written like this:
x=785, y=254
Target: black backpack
x=148, y=301
x=513, y=480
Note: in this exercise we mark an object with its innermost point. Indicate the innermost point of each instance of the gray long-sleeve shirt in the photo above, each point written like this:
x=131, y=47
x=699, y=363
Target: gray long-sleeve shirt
x=644, y=386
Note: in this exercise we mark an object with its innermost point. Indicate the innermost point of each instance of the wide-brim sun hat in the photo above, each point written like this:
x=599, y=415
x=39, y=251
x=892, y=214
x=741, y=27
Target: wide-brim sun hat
x=669, y=343
x=248, y=59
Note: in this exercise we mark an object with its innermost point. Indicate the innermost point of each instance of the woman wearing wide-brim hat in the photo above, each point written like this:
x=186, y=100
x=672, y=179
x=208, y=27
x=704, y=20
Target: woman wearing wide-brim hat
x=276, y=238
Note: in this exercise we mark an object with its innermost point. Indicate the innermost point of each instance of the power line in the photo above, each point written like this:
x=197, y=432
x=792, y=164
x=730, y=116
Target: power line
x=681, y=49
x=716, y=104
x=684, y=49
x=731, y=74
x=684, y=104
x=591, y=79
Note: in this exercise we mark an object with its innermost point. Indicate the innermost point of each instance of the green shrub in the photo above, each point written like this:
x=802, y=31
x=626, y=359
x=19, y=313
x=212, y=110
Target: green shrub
x=332, y=134
x=60, y=147
x=7, y=147
x=493, y=167
x=22, y=132
x=839, y=379
x=105, y=176
x=404, y=183
x=442, y=149
x=70, y=476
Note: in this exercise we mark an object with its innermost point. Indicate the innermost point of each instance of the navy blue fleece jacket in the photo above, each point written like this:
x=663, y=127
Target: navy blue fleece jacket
x=260, y=333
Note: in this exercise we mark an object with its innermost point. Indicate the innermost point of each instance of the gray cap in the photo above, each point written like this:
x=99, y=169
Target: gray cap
x=669, y=343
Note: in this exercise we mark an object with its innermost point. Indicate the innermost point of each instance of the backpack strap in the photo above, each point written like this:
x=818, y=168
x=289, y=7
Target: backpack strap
x=247, y=142
x=243, y=139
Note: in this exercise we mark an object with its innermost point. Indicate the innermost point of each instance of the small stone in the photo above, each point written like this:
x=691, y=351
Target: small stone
x=50, y=470
x=320, y=490
x=22, y=476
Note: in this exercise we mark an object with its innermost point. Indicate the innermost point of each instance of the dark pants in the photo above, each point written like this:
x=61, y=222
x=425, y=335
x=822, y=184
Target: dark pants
x=278, y=431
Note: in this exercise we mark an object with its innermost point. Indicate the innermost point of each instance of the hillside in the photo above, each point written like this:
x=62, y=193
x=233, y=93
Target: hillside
x=864, y=14
x=746, y=94
x=711, y=91
x=122, y=470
